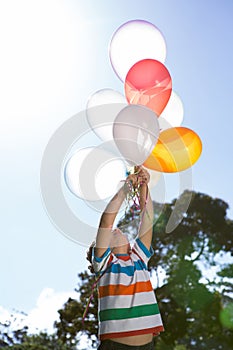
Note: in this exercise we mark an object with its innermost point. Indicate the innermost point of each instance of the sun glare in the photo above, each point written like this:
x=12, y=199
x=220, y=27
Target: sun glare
x=41, y=43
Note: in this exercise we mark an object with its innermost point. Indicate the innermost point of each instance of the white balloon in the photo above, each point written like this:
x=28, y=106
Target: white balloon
x=102, y=109
x=93, y=173
x=173, y=113
x=134, y=41
x=135, y=132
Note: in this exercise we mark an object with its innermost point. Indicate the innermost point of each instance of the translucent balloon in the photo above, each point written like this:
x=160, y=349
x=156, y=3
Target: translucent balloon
x=93, y=173
x=101, y=119
x=173, y=113
x=177, y=149
x=154, y=178
x=134, y=41
x=148, y=83
x=135, y=132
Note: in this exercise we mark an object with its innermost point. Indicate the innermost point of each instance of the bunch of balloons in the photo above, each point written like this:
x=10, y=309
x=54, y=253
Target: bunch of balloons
x=145, y=124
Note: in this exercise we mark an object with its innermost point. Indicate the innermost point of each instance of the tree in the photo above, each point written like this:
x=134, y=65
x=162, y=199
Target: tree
x=197, y=311
x=41, y=341
x=191, y=308
x=70, y=326
x=20, y=338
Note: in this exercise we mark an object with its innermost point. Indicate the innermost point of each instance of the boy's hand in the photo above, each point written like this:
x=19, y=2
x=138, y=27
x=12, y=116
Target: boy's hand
x=143, y=176
x=132, y=179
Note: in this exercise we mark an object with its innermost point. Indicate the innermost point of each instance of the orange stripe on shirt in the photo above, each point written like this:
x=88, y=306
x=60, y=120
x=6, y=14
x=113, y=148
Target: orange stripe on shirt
x=120, y=289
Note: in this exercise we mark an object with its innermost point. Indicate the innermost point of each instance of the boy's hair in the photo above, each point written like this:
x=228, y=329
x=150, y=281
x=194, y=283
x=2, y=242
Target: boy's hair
x=89, y=257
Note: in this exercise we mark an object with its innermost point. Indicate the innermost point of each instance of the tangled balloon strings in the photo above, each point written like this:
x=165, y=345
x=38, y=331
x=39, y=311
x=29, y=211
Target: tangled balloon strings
x=132, y=200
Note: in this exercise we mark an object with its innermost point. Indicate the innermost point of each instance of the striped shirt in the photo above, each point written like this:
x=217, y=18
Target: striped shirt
x=127, y=303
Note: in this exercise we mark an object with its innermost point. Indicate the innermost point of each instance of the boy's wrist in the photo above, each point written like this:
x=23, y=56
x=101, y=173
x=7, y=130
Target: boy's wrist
x=143, y=185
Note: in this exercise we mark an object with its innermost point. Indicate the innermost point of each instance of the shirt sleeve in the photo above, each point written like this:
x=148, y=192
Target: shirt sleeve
x=142, y=250
x=100, y=263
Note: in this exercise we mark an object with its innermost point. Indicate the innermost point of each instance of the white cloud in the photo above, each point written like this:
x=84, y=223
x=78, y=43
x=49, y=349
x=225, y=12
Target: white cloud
x=44, y=314
x=4, y=314
x=42, y=317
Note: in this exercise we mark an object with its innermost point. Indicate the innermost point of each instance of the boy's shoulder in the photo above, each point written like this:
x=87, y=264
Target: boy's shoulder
x=142, y=251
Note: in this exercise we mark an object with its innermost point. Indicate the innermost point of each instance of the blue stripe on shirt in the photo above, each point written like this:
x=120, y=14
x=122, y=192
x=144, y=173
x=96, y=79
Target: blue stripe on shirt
x=147, y=252
x=128, y=270
x=99, y=259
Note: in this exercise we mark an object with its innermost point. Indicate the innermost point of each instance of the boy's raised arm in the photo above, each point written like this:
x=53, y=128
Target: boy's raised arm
x=147, y=211
x=107, y=219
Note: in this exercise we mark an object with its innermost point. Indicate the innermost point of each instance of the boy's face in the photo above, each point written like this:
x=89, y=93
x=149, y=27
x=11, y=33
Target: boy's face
x=119, y=242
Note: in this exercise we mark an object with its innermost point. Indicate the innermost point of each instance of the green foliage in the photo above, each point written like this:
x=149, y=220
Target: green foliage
x=14, y=337
x=226, y=316
x=42, y=341
x=70, y=324
x=191, y=310
x=197, y=315
x=21, y=340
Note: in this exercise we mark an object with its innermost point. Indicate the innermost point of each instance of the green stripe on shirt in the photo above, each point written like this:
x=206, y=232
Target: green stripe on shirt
x=136, y=311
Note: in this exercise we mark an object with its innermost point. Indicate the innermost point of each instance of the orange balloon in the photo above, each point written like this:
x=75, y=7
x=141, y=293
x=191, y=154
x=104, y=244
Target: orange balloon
x=177, y=149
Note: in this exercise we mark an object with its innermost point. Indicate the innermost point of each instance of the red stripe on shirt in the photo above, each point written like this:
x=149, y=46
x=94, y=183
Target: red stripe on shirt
x=155, y=331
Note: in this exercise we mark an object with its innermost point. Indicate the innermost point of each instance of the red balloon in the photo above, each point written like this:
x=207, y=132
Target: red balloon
x=148, y=83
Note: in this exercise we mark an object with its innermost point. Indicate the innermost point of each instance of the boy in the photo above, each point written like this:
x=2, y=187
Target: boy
x=129, y=317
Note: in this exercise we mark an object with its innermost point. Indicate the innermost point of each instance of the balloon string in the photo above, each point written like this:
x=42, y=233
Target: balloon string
x=133, y=196
x=90, y=299
x=94, y=285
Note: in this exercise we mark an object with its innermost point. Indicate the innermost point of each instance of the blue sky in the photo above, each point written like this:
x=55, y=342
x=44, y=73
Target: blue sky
x=54, y=55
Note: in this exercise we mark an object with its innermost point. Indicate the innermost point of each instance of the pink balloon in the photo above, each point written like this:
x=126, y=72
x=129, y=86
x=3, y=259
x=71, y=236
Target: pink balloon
x=148, y=83
x=135, y=132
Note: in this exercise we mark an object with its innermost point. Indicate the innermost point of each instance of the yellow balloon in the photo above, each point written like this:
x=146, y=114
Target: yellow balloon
x=177, y=149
